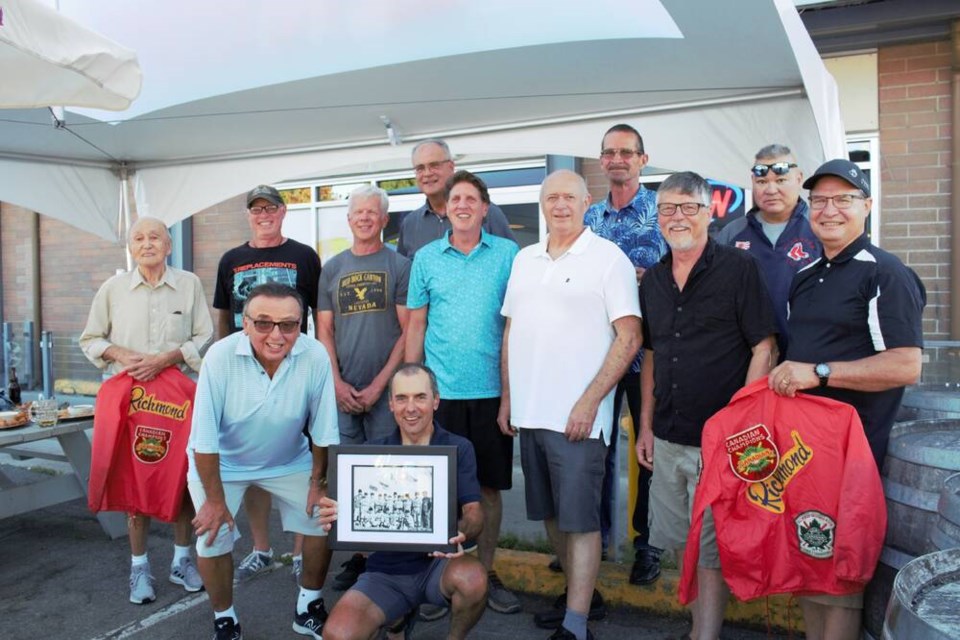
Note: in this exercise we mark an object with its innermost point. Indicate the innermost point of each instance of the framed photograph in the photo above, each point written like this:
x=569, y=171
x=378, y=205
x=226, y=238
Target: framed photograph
x=393, y=498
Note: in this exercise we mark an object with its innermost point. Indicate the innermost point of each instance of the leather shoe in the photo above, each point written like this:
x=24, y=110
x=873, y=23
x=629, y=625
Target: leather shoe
x=646, y=568
x=553, y=618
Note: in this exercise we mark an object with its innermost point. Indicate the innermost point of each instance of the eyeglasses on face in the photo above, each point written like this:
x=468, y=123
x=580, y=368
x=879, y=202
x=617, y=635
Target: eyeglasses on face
x=626, y=154
x=840, y=201
x=266, y=326
x=270, y=208
x=420, y=169
x=779, y=168
x=689, y=209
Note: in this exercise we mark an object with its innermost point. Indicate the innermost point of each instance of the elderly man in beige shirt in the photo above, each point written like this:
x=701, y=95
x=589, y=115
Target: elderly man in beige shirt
x=142, y=322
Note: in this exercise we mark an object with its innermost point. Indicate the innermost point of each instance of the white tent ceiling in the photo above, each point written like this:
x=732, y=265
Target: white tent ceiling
x=259, y=91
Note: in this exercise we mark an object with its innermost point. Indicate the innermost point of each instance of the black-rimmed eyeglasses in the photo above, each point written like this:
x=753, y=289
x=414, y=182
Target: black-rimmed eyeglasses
x=689, y=209
x=270, y=208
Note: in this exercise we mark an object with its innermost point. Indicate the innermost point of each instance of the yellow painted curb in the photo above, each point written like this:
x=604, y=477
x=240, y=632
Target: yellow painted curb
x=527, y=572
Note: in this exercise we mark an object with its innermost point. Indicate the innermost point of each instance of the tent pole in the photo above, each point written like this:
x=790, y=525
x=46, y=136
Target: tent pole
x=123, y=226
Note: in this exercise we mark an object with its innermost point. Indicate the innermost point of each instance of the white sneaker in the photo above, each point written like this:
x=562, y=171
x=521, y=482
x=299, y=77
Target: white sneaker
x=141, y=585
x=253, y=564
x=186, y=575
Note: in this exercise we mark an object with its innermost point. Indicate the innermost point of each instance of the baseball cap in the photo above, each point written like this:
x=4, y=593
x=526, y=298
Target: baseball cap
x=266, y=192
x=843, y=169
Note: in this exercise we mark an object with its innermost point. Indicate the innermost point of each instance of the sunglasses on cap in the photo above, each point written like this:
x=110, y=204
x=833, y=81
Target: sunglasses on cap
x=779, y=168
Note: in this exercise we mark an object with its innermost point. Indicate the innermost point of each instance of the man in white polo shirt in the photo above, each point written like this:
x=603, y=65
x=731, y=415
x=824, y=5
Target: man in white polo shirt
x=559, y=391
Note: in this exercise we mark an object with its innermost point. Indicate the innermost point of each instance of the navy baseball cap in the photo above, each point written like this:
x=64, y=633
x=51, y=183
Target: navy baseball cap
x=843, y=169
x=266, y=192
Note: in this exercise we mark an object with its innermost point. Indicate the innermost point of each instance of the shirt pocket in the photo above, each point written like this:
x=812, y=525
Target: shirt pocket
x=176, y=328
x=716, y=314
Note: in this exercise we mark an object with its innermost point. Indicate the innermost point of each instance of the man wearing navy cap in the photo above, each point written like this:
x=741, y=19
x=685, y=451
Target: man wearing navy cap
x=855, y=336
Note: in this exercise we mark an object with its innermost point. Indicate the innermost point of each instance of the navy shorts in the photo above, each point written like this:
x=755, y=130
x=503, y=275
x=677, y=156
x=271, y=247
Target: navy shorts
x=398, y=594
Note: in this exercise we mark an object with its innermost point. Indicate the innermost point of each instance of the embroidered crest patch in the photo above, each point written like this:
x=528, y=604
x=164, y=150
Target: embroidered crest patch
x=150, y=444
x=815, y=531
x=742, y=244
x=753, y=455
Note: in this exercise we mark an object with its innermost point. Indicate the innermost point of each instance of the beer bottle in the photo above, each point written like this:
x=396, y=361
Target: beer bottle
x=13, y=390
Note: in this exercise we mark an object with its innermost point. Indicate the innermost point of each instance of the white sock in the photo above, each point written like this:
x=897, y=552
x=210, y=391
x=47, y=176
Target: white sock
x=136, y=561
x=179, y=553
x=228, y=613
x=268, y=552
x=306, y=597
x=297, y=557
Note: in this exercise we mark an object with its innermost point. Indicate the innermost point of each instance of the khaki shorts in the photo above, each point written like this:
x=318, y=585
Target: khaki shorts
x=675, y=471
x=849, y=601
x=290, y=497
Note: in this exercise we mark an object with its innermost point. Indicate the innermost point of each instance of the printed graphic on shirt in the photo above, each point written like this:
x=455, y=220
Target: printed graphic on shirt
x=140, y=400
x=753, y=455
x=248, y=276
x=769, y=494
x=797, y=253
x=362, y=291
x=815, y=531
x=150, y=444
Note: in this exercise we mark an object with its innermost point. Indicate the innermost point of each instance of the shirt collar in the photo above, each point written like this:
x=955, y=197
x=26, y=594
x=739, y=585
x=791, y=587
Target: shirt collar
x=447, y=246
x=136, y=279
x=608, y=202
x=850, y=250
x=578, y=247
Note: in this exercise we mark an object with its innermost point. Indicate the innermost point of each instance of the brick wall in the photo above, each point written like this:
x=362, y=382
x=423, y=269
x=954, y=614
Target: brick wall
x=215, y=230
x=915, y=139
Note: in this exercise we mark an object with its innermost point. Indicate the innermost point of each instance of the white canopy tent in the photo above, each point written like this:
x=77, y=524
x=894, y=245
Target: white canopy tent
x=273, y=91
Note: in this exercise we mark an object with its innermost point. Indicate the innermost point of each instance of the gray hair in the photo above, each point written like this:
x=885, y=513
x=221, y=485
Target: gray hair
x=437, y=141
x=409, y=369
x=369, y=191
x=774, y=150
x=141, y=221
x=559, y=172
x=689, y=184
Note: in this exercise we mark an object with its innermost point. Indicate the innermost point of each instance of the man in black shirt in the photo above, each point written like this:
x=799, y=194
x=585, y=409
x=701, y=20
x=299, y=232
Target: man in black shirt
x=709, y=326
x=855, y=336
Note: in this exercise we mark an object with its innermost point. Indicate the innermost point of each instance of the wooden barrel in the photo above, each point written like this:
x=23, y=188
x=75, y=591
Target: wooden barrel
x=946, y=531
x=924, y=600
x=928, y=401
x=921, y=456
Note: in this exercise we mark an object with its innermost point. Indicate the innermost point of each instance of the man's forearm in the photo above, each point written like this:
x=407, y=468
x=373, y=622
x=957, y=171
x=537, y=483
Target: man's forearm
x=762, y=360
x=646, y=391
x=472, y=521
x=618, y=358
x=318, y=474
x=416, y=333
x=208, y=468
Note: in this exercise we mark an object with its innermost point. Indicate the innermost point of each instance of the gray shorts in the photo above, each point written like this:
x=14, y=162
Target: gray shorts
x=675, y=471
x=562, y=479
x=373, y=425
x=398, y=594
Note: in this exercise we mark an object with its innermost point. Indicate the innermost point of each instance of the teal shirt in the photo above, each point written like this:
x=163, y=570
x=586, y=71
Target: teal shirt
x=463, y=294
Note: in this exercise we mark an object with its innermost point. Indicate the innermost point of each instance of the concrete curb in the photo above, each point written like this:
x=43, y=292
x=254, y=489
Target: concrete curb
x=527, y=572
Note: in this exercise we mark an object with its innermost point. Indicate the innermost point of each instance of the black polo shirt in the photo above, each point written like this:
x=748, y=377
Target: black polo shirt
x=702, y=336
x=862, y=302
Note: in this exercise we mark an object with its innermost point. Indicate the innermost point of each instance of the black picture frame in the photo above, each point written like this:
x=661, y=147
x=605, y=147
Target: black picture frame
x=380, y=491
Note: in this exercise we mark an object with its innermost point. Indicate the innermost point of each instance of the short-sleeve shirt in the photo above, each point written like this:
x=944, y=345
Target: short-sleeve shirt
x=702, y=337
x=860, y=303
x=634, y=229
x=363, y=293
x=243, y=268
x=463, y=294
x=561, y=328
x=468, y=490
x=255, y=422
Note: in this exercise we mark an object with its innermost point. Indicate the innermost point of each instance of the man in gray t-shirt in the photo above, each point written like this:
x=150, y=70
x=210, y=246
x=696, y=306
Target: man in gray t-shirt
x=361, y=316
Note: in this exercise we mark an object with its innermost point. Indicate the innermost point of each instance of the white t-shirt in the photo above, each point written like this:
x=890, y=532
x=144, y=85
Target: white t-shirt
x=561, y=313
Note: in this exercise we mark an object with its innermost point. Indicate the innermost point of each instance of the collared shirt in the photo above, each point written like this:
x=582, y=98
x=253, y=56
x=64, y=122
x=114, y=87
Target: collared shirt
x=468, y=490
x=561, y=328
x=796, y=247
x=856, y=305
x=463, y=294
x=702, y=336
x=255, y=422
x=128, y=312
x=422, y=226
x=634, y=229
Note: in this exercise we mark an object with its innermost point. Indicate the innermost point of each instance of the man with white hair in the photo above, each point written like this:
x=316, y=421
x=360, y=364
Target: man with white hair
x=142, y=322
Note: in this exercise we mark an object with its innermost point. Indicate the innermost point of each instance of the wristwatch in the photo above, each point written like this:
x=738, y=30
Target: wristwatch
x=823, y=372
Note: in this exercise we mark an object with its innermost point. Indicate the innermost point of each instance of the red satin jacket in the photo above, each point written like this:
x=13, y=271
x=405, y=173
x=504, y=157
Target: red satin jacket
x=795, y=493
x=140, y=431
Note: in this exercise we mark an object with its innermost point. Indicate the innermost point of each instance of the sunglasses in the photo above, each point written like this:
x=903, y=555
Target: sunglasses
x=779, y=168
x=266, y=326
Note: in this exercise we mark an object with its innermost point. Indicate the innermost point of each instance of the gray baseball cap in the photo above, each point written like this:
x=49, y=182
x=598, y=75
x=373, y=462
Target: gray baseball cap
x=266, y=192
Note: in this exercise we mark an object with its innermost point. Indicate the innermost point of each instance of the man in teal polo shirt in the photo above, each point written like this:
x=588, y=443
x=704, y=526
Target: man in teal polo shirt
x=457, y=284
